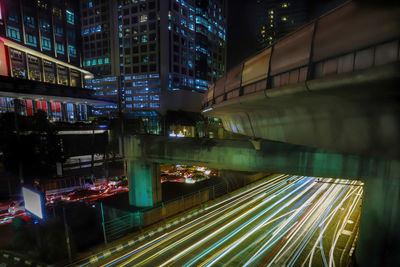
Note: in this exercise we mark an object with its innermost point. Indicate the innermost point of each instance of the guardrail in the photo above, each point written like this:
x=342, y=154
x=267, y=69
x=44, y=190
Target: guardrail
x=336, y=43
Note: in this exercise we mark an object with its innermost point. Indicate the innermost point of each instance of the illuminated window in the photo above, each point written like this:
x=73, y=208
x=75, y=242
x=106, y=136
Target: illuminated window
x=155, y=97
x=29, y=21
x=143, y=18
x=284, y=19
x=30, y=40
x=154, y=104
x=284, y=5
x=143, y=38
x=42, y=4
x=94, y=62
x=100, y=61
x=145, y=59
x=70, y=17
x=59, y=31
x=13, y=33
x=72, y=50
x=57, y=12
x=140, y=98
x=70, y=111
x=106, y=60
x=60, y=48
x=44, y=25
x=42, y=105
x=90, y=4
x=13, y=17
x=46, y=44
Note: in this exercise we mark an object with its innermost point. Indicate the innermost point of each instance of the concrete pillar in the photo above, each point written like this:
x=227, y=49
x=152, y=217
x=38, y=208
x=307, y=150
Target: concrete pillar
x=379, y=243
x=144, y=183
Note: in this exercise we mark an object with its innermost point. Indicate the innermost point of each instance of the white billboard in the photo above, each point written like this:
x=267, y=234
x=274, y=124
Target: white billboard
x=33, y=202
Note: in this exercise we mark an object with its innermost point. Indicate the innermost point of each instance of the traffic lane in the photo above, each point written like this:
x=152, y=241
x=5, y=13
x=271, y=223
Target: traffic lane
x=336, y=240
x=213, y=237
x=321, y=237
x=243, y=240
x=243, y=196
x=298, y=238
x=220, y=260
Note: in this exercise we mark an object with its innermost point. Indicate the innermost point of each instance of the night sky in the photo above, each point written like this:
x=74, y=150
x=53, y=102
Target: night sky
x=242, y=26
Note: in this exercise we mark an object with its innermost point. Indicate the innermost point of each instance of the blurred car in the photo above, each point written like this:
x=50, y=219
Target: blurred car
x=16, y=206
x=80, y=194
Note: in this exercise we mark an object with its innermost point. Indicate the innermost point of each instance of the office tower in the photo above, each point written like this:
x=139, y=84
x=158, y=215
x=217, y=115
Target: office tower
x=40, y=60
x=100, y=45
x=278, y=17
x=168, y=52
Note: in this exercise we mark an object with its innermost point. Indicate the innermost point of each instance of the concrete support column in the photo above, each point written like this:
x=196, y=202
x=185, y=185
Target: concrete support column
x=379, y=243
x=144, y=183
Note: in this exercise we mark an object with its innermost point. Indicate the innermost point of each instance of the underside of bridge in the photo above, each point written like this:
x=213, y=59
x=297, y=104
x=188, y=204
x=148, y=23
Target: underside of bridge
x=379, y=235
x=357, y=113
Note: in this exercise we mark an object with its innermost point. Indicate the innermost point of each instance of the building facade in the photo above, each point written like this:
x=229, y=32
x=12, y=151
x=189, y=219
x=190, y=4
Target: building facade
x=40, y=59
x=278, y=17
x=167, y=54
x=100, y=45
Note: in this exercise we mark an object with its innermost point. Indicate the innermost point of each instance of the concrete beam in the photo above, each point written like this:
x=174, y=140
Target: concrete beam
x=356, y=113
x=240, y=155
x=379, y=234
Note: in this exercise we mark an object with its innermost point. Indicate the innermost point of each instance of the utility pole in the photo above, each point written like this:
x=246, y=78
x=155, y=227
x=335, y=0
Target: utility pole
x=122, y=126
x=92, y=148
x=67, y=239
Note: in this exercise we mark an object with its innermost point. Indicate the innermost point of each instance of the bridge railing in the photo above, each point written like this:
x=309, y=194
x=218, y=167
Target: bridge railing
x=348, y=39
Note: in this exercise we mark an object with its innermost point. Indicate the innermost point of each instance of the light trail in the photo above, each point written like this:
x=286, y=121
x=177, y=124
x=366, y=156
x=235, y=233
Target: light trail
x=174, y=258
x=265, y=186
x=279, y=222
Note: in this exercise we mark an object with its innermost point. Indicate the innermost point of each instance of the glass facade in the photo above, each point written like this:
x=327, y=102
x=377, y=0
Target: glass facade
x=195, y=48
x=42, y=44
x=153, y=47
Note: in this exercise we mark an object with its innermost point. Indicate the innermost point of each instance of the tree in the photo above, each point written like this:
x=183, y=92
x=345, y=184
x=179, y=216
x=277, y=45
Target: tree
x=38, y=147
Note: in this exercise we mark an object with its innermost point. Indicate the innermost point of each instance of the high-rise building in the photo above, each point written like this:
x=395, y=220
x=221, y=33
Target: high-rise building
x=278, y=17
x=100, y=45
x=168, y=52
x=210, y=42
x=40, y=60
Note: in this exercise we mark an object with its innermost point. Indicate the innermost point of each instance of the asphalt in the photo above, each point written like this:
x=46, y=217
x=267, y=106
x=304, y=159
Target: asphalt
x=285, y=221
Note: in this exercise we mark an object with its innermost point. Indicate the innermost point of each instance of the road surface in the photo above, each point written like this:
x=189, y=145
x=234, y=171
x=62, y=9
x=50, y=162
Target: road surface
x=285, y=221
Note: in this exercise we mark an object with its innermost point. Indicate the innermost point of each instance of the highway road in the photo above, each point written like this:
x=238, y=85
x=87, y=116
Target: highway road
x=285, y=220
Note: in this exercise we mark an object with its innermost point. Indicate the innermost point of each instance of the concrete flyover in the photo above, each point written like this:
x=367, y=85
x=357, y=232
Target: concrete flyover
x=333, y=85
x=330, y=84
x=379, y=238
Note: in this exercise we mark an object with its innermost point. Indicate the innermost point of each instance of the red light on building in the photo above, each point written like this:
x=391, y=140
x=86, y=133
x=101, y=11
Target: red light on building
x=3, y=60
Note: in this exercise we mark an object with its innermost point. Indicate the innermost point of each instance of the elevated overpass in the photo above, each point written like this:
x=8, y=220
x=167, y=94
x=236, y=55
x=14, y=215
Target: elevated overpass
x=327, y=98
x=332, y=84
x=379, y=235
